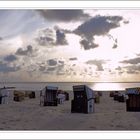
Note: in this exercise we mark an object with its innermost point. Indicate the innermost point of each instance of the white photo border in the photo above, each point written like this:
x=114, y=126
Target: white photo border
x=80, y=135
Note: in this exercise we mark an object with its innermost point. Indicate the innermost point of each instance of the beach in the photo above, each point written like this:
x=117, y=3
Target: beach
x=29, y=115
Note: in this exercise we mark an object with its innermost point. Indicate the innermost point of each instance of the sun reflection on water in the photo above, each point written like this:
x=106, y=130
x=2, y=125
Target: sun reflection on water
x=107, y=86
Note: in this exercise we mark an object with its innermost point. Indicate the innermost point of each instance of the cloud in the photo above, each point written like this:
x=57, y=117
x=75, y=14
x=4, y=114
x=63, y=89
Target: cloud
x=73, y=58
x=115, y=46
x=132, y=69
x=51, y=37
x=52, y=62
x=126, y=21
x=87, y=44
x=51, y=69
x=5, y=68
x=27, y=51
x=132, y=72
x=46, y=37
x=96, y=26
x=60, y=38
x=98, y=63
x=63, y=15
x=42, y=68
x=53, y=66
x=115, y=41
x=131, y=61
x=61, y=62
x=10, y=58
x=118, y=68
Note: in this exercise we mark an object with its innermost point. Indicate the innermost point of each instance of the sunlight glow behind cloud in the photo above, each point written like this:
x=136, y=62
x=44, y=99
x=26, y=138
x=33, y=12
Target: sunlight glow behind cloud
x=34, y=40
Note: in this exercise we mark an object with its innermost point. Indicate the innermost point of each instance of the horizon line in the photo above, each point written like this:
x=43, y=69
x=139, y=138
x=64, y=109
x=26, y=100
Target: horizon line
x=69, y=82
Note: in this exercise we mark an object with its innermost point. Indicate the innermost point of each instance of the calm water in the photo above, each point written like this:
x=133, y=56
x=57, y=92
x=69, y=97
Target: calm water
x=68, y=86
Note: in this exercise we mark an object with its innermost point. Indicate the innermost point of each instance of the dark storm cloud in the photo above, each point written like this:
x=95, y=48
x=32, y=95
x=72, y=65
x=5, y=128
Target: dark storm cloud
x=10, y=58
x=63, y=15
x=98, y=63
x=131, y=61
x=27, y=51
x=73, y=58
x=96, y=26
x=6, y=68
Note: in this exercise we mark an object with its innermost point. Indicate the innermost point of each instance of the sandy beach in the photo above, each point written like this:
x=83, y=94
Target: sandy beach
x=29, y=115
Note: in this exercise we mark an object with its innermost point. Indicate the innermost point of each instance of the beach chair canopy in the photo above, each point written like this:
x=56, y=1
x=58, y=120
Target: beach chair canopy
x=135, y=90
x=85, y=90
x=51, y=88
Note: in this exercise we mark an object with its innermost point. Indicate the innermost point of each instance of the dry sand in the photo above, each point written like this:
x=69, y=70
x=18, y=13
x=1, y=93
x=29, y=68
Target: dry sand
x=28, y=115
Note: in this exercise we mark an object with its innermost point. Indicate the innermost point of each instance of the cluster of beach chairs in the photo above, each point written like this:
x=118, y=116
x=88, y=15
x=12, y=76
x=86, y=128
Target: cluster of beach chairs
x=52, y=96
x=49, y=96
x=20, y=95
x=119, y=96
x=17, y=95
x=83, y=102
x=131, y=96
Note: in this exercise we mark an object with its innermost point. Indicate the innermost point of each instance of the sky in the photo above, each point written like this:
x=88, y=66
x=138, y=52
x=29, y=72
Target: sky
x=69, y=45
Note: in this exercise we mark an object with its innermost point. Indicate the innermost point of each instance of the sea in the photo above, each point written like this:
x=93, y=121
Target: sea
x=97, y=86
